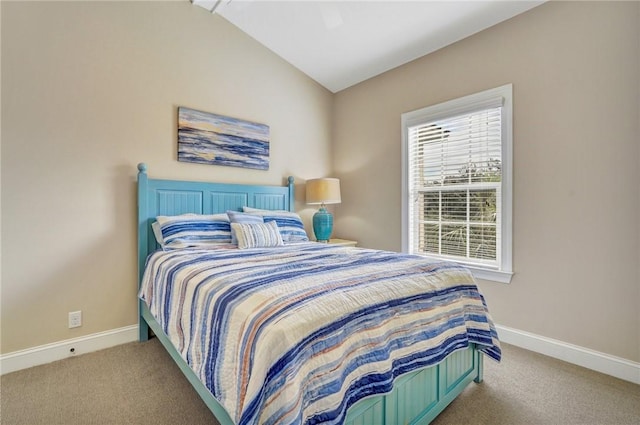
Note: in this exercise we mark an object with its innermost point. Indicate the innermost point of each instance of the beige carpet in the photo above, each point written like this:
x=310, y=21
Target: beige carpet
x=137, y=383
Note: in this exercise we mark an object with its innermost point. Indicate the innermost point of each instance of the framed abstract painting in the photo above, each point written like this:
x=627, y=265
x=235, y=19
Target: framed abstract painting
x=208, y=138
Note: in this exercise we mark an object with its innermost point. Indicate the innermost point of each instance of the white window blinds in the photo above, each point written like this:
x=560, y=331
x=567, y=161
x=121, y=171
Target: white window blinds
x=455, y=178
x=457, y=182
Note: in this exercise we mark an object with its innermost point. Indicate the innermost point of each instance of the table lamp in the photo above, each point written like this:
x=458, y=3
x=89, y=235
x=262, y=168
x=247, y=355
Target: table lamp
x=323, y=191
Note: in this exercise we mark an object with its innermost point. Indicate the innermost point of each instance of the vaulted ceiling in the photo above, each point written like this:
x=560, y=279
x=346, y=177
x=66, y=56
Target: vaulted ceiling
x=341, y=43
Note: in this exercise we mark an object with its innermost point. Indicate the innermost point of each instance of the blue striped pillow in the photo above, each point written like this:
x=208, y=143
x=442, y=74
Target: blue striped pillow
x=257, y=235
x=239, y=217
x=289, y=223
x=194, y=230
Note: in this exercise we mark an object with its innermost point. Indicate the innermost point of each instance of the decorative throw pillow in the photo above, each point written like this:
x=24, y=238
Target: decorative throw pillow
x=239, y=217
x=289, y=223
x=194, y=230
x=257, y=235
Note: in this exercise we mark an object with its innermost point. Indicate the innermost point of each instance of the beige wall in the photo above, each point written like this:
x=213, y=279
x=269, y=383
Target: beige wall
x=91, y=89
x=575, y=70
x=88, y=91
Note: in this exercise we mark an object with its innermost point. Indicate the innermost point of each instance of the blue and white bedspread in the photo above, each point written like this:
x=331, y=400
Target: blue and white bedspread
x=298, y=334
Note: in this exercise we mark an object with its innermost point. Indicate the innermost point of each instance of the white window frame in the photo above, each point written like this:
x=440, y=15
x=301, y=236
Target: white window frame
x=451, y=108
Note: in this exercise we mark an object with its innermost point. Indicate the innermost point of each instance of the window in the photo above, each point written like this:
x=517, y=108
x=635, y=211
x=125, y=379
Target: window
x=457, y=182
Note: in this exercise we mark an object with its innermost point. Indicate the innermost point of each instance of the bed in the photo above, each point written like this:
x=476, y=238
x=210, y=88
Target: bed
x=411, y=389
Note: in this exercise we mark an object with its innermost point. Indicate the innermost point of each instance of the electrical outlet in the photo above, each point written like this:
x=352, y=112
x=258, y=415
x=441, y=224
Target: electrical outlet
x=75, y=319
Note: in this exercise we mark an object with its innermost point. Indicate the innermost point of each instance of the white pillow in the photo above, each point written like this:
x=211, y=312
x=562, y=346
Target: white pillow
x=157, y=232
x=257, y=235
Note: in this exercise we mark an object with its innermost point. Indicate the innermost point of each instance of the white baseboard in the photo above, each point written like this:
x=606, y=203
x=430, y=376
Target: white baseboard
x=594, y=360
x=68, y=348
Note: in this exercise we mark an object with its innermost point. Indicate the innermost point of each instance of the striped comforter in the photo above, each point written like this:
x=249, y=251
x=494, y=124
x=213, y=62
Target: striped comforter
x=297, y=334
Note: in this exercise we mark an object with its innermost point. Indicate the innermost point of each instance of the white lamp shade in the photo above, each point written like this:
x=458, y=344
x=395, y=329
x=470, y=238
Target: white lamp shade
x=323, y=191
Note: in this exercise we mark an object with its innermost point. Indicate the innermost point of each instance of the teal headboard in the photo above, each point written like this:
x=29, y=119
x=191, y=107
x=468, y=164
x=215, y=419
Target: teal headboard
x=172, y=197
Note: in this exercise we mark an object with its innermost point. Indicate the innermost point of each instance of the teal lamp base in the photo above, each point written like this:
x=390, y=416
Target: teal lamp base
x=322, y=225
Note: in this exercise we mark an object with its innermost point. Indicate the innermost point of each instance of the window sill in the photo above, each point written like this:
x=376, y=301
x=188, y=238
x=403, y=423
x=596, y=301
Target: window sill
x=480, y=272
x=492, y=275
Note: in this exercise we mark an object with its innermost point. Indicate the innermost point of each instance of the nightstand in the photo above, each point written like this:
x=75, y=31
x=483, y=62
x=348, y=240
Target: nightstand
x=343, y=242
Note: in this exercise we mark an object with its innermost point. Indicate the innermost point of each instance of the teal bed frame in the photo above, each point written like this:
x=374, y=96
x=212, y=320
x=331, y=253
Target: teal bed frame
x=417, y=397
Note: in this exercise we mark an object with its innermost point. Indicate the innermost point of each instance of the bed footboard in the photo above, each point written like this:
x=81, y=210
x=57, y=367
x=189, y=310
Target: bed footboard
x=418, y=397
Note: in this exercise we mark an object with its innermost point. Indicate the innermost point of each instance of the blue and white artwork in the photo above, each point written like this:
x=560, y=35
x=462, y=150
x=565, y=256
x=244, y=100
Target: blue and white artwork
x=208, y=138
